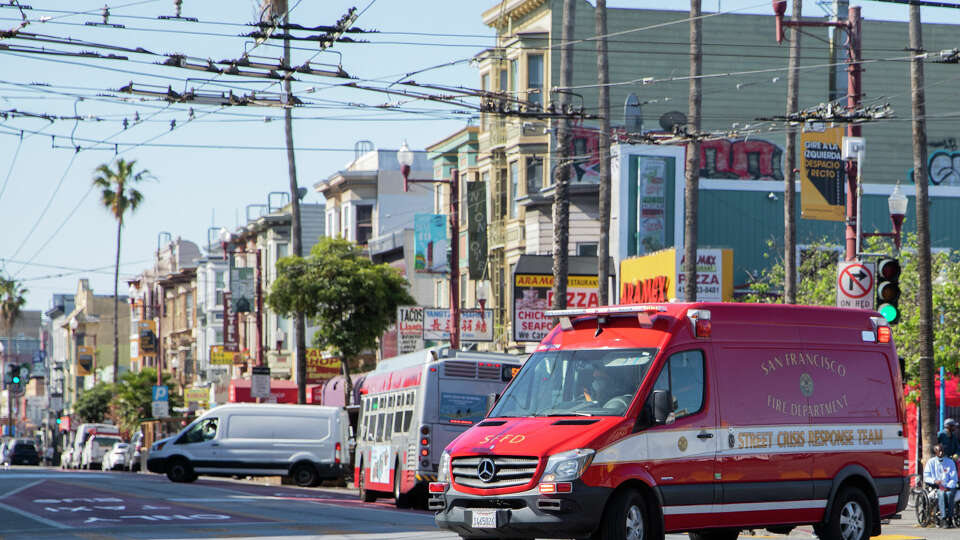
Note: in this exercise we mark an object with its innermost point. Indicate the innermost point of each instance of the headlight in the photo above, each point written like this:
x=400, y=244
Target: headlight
x=443, y=473
x=567, y=466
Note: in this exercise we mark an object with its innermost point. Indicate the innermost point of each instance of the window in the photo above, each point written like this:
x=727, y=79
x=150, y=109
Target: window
x=683, y=377
x=485, y=85
x=534, y=175
x=513, y=75
x=388, y=426
x=407, y=417
x=218, y=335
x=202, y=431
x=587, y=249
x=219, y=278
x=535, y=79
x=503, y=80
x=398, y=423
x=364, y=223
x=514, y=188
x=189, y=302
x=462, y=408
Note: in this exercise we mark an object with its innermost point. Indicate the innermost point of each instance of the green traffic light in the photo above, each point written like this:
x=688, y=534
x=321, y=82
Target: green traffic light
x=59, y=420
x=16, y=379
x=889, y=312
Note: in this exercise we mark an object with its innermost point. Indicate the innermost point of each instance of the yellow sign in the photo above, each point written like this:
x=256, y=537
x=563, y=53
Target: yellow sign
x=148, y=337
x=659, y=277
x=85, y=356
x=200, y=396
x=220, y=357
x=822, y=175
x=320, y=368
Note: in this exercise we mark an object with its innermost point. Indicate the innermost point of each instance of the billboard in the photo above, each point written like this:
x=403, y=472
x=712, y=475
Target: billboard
x=659, y=277
x=319, y=368
x=430, y=244
x=219, y=356
x=533, y=294
x=822, y=174
x=409, y=329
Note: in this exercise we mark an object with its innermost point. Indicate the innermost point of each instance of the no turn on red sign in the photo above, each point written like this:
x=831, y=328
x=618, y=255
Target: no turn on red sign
x=855, y=284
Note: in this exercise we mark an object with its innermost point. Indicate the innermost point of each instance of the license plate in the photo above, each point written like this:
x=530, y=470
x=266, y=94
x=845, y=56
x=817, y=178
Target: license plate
x=485, y=519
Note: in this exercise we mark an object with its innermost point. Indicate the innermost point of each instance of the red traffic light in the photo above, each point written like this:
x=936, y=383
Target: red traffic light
x=888, y=269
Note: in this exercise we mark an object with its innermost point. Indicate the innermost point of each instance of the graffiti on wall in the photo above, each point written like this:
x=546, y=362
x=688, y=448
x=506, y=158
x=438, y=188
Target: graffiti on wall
x=943, y=169
x=741, y=159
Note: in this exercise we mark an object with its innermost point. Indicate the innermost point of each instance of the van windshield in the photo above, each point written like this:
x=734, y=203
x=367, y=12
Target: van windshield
x=576, y=383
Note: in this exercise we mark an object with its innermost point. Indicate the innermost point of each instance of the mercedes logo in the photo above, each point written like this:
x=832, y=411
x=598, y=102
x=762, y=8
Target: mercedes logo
x=486, y=470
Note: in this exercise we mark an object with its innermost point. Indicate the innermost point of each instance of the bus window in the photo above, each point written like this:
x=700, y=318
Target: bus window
x=462, y=408
x=380, y=427
x=407, y=417
x=398, y=423
x=388, y=426
x=409, y=398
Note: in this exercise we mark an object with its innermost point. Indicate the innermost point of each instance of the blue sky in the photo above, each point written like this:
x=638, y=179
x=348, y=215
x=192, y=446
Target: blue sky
x=54, y=229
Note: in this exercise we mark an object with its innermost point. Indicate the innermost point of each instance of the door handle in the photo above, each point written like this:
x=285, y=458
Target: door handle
x=705, y=435
x=218, y=444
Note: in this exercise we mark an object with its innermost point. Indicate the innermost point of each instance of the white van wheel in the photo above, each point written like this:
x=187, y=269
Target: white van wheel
x=304, y=475
x=179, y=470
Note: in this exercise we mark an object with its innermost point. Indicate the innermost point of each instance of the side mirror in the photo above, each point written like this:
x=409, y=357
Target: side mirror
x=903, y=368
x=491, y=401
x=662, y=406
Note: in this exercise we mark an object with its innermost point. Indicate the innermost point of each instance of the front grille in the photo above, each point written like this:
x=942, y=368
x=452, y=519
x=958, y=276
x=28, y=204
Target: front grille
x=487, y=371
x=511, y=471
x=453, y=368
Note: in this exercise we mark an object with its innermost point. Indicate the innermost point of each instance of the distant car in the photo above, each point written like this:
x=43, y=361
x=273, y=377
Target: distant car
x=134, y=450
x=116, y=457
x=23, y=452
x=66, y=458
x=95, y=448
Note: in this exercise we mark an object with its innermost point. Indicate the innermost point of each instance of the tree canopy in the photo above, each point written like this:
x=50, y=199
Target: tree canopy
x=351, y=300
x=816, y=285
x=12, y=300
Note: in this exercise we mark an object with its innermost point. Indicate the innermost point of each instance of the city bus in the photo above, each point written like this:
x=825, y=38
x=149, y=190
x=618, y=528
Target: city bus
x=412, y=406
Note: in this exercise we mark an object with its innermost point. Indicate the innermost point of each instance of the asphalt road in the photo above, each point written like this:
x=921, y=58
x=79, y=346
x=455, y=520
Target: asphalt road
x=47, y=503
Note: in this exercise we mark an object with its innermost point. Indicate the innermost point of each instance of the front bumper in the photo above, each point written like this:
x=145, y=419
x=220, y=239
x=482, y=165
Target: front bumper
x=525, y=514
x=157, y=465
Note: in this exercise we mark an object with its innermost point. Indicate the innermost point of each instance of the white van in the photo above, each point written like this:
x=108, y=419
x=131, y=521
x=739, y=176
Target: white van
x=84, y=432
x=307, y=442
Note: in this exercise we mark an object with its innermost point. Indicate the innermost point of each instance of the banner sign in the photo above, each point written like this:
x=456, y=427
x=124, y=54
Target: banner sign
x=822, y=175
x=652, y=175
x=473, y=327
x=320, y=369
x=242, y=290
x=147, y=337
x=85, y=355
x=198, y=396
x=430, y=244
x=221, y=357
x=533, y=294
x=409, y=329
x=231, y=342
x=477, y=229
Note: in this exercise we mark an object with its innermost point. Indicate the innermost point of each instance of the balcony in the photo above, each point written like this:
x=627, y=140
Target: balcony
x=496, y=234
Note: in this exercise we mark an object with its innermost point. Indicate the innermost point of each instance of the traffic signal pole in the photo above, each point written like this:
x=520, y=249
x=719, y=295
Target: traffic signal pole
x=853, y=28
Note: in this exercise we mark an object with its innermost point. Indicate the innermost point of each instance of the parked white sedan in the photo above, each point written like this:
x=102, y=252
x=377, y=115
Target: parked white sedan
x=116, y=457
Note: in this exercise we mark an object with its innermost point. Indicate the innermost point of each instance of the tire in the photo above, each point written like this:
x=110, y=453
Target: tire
x=851, y=517
x=402, y=500
x=304, y=475
x=921, y=509
x=715, y=534
x=366, y=495
x=179, y=470
x=627, y=516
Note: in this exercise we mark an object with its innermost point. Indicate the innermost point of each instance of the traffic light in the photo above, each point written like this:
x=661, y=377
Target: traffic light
x=8, y=374
x=15, y=374
x=888, y=289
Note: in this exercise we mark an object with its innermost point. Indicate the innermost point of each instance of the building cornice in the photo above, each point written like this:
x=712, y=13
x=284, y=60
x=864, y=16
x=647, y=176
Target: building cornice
x=509, y=10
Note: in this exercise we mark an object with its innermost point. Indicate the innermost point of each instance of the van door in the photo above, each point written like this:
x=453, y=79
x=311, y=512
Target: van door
x=682, y=453
x=765, y=463
x=200, y=445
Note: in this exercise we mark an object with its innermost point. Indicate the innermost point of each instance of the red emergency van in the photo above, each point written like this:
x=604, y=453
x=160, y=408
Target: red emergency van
x=636, y=421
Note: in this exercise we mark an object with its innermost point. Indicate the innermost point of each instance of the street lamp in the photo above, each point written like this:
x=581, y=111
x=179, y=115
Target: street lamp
x=3, y=360
x=225, y=238
x=405, y=157
x=483, y=293
x=897, y=204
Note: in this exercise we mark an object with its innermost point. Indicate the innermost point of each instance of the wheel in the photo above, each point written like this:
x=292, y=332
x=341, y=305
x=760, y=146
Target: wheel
x=850, y=518
x=366, y=495
x=715, y=534
x=179, y=470
x=922, y=508
x=626, y=517
x=402, y=500
x=304, y=475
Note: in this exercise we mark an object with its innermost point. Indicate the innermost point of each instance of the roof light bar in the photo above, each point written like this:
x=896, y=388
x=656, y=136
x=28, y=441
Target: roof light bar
x=606, y=310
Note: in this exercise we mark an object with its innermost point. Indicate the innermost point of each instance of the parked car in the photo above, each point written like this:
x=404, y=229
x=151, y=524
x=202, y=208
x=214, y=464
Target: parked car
x=95, y=448
x=23, y=452
x=306, y=442
x=134, y=451
x=116, y=457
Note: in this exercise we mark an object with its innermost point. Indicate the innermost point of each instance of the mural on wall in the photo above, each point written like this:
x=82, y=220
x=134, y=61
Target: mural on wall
x=741, y=159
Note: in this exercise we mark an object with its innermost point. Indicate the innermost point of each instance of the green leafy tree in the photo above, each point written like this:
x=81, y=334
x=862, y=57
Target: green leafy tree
x=93, y=405
x=118, y=195
x=134, y=393
x=351, y=300
x=816, y=285
x=12, y=300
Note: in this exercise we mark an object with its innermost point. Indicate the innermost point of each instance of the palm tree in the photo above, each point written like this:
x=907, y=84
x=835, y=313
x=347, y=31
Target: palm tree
x=12, y=300
x=118, y=194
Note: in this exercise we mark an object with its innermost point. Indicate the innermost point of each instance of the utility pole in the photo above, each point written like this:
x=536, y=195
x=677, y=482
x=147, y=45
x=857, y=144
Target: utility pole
x=789, y=184
x=854, y=93
x=692, y=187
x=928, y=415
x=603, y=78
x=561, y=198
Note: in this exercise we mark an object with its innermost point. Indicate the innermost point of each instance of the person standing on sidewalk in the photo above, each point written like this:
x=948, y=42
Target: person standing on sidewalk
x=941, y=472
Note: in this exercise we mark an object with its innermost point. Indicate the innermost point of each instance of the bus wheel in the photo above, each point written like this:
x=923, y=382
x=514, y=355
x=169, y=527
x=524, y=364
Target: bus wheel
x=402, y=500
x=850, y=518
x=626, y=517
x=365, y=494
